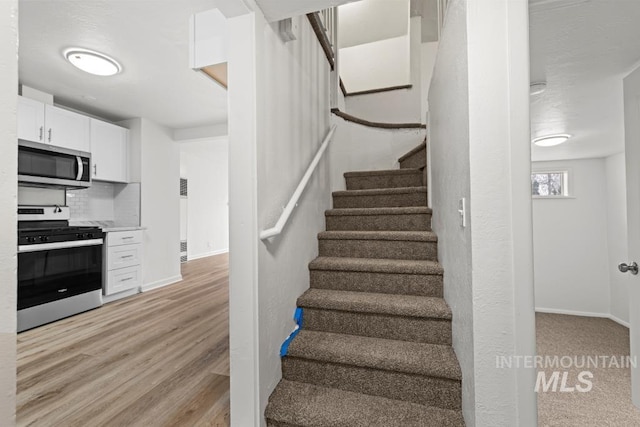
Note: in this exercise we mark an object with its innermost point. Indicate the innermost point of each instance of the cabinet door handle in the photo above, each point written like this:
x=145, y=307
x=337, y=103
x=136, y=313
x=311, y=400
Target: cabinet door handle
x=95, y=169
x=127, y=238
x=49, y=134
x=126, y=279
x=126, y=256
x=41, y=133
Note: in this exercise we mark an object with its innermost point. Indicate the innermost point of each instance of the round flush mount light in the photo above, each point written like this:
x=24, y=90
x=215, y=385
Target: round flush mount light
x=92, y=62
x=537, y=88
x=551, y=140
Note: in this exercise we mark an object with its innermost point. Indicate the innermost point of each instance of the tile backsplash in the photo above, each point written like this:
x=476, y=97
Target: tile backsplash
x=103, y=201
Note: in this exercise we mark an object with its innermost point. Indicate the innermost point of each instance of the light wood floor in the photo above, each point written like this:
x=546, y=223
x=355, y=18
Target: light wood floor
x=160, y=358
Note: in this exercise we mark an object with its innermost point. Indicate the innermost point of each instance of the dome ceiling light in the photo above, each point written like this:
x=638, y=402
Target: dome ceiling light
x=551, y=140
x=92, y=62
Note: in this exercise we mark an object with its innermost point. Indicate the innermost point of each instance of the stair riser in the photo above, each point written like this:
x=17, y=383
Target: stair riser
x=417, y=160
x=384, y=181
x=415, y=329
x=380, y=201
x=438, y=392
x=389, y=249
x=380, y=283
x=405, y=222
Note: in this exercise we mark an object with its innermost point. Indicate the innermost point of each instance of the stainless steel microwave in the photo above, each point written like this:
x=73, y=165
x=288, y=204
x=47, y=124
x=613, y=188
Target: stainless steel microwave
x=44, y=165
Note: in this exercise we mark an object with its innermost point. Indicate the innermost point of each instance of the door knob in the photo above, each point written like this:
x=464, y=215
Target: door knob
x=633, y=267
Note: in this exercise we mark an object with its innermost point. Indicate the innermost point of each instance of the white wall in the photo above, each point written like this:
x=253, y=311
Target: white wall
x=8, y=201
x=293, y=97
x=479, y=131
x=278, y=116
x=205, y=165
x=570, y=241
x=356, y=147
x=368, y=21
x=428, y=55
x=616, y=203
x=449, y=155
x=155, y=163
x=376, y=65
x=398, y=106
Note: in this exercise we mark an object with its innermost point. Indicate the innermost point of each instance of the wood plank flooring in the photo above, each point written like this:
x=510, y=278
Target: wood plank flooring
x=160, y=358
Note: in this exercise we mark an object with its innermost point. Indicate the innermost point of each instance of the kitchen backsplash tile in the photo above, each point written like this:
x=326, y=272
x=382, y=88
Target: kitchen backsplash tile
x=103, y=201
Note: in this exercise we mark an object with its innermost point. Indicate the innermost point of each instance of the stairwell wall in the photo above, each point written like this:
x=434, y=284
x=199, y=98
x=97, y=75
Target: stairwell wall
x=449, y=155
x=8, y=201
x=479, y=131
x=294, y=109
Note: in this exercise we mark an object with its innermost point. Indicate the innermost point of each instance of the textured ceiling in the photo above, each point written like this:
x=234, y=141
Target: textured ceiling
x=583, y=49
x=150, y=38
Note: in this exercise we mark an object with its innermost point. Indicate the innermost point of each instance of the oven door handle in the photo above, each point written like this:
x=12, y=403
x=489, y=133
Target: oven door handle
x=58, y=245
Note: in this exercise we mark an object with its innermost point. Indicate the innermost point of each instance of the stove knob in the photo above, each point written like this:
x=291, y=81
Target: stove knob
x=44, y=239
x=80, y=236
x=89, y=235
x=31, y=239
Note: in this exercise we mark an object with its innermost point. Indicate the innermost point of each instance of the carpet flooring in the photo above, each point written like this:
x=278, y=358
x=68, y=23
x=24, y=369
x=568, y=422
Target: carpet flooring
x=608, y=403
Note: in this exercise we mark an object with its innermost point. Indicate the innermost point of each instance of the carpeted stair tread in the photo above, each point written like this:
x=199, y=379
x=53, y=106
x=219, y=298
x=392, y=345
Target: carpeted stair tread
x=381, y=191
x=406, y=171
x=417, y=149
x=412, y=236
x=400, y=266
x=365, y=302
x=410, y=210
x=305, y=405
x=432, y=360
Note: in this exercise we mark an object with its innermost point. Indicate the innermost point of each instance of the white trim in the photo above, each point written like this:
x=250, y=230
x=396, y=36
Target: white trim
x=583, y=314
x=160, y=283
x=207, y=254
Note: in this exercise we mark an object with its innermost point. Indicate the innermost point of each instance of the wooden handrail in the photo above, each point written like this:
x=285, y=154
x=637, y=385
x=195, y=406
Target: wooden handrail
x=382, y=89
x=353, y=119
x=316, y=24
x=293, y=202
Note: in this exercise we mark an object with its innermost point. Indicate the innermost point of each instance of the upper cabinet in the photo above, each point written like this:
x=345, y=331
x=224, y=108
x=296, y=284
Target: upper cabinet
x=48, y=124
x=109, y=152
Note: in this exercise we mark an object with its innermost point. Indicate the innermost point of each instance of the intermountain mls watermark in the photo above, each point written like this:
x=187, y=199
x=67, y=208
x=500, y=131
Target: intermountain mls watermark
x=560, y=379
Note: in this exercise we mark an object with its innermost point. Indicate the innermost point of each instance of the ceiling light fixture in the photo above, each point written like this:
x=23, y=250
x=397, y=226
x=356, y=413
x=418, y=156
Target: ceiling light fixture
x=551, y=140
x=537, y=88
x=92, y=62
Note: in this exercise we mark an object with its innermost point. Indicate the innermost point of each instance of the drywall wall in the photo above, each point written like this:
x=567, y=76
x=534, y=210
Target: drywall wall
x=428, y=53
x=355, y=147
x=360, y=66
x=372, y=20
x=205, y=165
x=8, y=201
x=570, y=241
x=293, y=101
x=479, y=148
x=155, y=163
x=500, y=209
x=449, y=154
x=397, y=106
x=616, y=206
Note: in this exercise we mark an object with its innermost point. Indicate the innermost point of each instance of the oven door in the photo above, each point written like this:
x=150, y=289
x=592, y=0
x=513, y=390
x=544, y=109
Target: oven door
x=52, y=271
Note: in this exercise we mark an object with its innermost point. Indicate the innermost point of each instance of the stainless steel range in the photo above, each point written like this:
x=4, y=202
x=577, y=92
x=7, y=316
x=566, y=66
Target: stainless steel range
x=59, y=267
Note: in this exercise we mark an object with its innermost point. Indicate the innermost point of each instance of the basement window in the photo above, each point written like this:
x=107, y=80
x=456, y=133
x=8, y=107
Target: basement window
x=550, y=184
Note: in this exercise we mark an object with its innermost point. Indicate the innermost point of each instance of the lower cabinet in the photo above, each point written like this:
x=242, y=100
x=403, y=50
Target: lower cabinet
x=123, y=258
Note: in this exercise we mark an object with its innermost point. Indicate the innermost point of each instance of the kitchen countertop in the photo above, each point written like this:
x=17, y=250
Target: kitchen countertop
x=106, y=226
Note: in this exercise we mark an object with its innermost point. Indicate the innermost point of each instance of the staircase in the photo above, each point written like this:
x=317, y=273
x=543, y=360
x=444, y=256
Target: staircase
x=374, y=348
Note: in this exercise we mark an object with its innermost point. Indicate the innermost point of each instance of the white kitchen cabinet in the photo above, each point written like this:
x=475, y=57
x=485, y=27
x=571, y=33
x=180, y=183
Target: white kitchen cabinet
x=30, y=119
x=53, y=125
x=109, y=152
x=122, y=263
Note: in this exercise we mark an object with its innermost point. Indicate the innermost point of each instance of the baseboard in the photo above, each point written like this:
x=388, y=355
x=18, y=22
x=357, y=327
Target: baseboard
x=160, y=283
x=582, y=313
x=208, y=254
